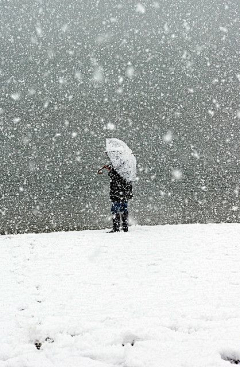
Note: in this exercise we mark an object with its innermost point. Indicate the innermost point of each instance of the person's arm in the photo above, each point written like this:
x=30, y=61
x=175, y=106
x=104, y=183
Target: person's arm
x=129, y=193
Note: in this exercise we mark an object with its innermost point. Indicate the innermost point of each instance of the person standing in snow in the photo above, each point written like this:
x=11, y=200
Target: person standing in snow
x=120, y=193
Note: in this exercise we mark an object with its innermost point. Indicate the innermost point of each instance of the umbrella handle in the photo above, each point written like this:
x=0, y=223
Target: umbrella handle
x=100, y=171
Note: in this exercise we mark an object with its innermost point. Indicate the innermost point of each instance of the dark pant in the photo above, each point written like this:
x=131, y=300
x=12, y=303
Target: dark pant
x=119, y=210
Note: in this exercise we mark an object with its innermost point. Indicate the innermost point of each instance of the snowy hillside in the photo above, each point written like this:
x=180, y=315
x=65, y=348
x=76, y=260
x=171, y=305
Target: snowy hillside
x=156, y=296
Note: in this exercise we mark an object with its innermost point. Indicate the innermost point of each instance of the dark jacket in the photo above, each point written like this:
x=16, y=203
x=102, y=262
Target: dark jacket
x=120, y=189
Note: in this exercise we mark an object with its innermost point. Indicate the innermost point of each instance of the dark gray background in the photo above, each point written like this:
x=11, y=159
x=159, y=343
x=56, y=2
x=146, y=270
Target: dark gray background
x=163, y=76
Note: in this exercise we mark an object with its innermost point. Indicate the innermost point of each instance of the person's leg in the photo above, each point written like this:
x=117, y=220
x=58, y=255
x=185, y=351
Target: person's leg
x=125, y=216
x=116, y=216
x=116, y=223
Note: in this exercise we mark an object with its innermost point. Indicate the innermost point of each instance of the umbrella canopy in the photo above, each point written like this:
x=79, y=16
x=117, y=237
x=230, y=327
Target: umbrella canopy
x=122, y=158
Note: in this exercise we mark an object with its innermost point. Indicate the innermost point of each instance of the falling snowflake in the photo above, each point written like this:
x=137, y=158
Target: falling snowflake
x=111, y=126
x=168, y=137
x=130, y=71
x=16, y=96
x=98, y=75
x=140, y=8
x=176, y=174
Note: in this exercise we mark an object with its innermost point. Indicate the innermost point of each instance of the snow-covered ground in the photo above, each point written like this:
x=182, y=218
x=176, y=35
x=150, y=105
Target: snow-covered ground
x=172, y=291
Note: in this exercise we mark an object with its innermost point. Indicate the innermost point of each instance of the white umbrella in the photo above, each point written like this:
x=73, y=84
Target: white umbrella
x=122, y=158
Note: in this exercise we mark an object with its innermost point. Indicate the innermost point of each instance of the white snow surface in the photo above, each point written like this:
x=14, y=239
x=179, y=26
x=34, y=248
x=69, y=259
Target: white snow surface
x=171, y=291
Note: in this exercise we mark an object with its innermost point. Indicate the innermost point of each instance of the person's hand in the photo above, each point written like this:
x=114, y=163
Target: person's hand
x=100, y=171
x=107, y=167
